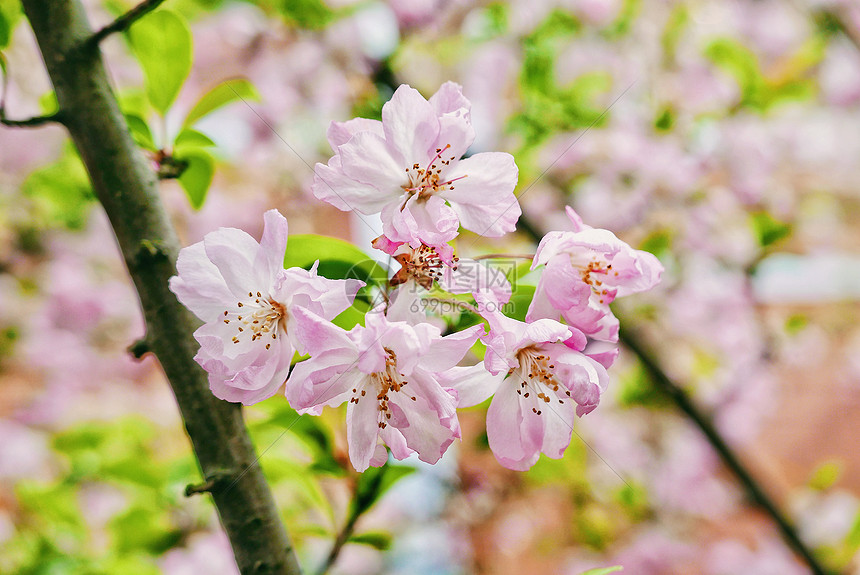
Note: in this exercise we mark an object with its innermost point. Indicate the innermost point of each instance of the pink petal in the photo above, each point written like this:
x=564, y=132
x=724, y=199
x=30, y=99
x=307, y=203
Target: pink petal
x=345, y=193
x=317, y=334
x=429, y=221
x=199, y=286
x=484, y=199
x=504, y=421
x=233, y=252
x=361, y=431
x=432, y=424
x=367, y=158
x=557, y=427
x=575, y=220
x=325, y=379
x=380, y=456
x=473, y=384
x=273, y=244
x=446, y=352
x=455, y=123
x=410, y=125
x=339, y=133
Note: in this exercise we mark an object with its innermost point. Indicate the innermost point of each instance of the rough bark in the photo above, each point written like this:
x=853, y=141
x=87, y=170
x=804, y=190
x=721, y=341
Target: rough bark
x=127, y=189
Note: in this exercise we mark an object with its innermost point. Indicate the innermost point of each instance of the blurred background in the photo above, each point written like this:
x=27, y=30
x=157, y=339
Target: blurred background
x=724, y=137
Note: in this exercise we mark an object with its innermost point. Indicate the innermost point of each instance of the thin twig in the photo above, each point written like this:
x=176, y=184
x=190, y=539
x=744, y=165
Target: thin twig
x=122, y=23
x=33, y=122
x=28, y=122
x=729, y=458
x=362, y=499
x=504, y=256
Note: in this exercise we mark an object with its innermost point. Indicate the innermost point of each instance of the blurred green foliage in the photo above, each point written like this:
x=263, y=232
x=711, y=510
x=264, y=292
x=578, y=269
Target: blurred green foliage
x=61, y=192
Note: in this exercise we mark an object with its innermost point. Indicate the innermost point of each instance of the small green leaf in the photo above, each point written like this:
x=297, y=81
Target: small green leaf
x=768, y=229
x=221, y=95
x=48, y=103
x=10, y=14
x=189, y=138
x=604, y=570
x=665, y=120
x=521, y=299
x=4, y=31
x=309, y=14
x=61, y=191
x=377, y=539
x=197, y=176
x=796, y=323
x=826, y=475
x=338, y=259
x=658, y=242
x=162, y=43
x=375, y=481
x=144, y=527
x=140, y=132
x=740, y=62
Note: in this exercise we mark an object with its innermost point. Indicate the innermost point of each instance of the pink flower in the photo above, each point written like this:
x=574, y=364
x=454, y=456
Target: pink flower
x=537, y=373
x=585, y=270
x=247, y=300
x=408, y=167
x=423, y=267
x=388, y=373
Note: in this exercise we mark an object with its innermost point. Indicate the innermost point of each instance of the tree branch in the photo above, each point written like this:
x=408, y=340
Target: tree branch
x=122, y=23
x=127, y=189
x=362, y=499
x=29, y=122
x=729, y=458
x=33, y=122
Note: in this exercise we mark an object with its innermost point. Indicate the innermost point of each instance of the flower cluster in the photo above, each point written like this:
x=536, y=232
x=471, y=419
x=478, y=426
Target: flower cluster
x=397, y=373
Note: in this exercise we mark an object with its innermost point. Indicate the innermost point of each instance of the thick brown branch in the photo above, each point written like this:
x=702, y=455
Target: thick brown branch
x=122, y=23
x=127, y=188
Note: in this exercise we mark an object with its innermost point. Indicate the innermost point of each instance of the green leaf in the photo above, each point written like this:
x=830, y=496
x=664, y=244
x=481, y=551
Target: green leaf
x=377, y=539
x=665, y=120
x=796, y=323
x=768, y=229
x=10, y=14
x=162, y=43
x=604, y=570
x=658, y=242
x=61, y=191
x=309, y=14
x=197, y=176
x=826, y=475
x=4, y=31
x=140, y=132
x=521, y=299
x=189, y=138
x=375, y=481
x=144, y=527
x=338, y=259
x=675, y=26
x=221, y=95
x=741, y=63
